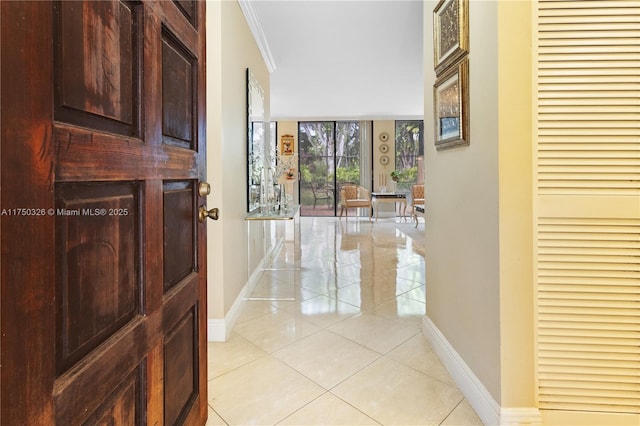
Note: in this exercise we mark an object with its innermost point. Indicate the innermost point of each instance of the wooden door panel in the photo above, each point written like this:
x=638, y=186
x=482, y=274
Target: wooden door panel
x=98, y=284
x=178, y=97
x=85, y=388
x=103, y=113
x=179, y=233
x=124, y=406
x=97, y=70
x=180, y=370
x=188, y=8
x=120, y=396
x=182, y=327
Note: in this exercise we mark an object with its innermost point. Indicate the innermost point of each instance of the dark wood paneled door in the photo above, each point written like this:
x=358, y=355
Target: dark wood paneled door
x=103, y=258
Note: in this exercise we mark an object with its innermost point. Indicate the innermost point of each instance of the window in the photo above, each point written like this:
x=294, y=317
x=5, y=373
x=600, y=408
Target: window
x=409, y=152
x=329, y=155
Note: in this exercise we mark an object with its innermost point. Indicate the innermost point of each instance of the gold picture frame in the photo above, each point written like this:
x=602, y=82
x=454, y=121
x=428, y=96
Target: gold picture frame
x=450, y=33
x=451, y=107
x=286, y=145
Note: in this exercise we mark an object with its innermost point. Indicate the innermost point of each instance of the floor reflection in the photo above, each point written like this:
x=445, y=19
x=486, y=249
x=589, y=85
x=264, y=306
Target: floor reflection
x=348, y=349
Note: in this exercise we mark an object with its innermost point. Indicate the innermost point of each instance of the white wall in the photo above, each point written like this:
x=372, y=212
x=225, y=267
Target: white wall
x=462, y=241
x=235, y=246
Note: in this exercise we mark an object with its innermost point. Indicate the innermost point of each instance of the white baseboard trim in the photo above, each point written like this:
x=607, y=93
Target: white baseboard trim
x=474, y=391
x=218, y=330
x=478, y=396
x=520, y=416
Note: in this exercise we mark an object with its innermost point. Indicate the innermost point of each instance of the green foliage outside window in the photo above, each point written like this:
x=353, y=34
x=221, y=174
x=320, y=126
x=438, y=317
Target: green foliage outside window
x=409, y=145
x=305, y=173
x=348, y=174
x=406, y=175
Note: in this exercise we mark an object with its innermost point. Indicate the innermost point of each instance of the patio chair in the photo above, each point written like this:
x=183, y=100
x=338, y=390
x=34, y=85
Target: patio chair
x=417, y=200
x=321, y=193
x=354, y=196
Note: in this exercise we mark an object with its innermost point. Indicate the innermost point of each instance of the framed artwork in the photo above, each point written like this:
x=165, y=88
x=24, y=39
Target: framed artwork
x=450, y=33
x=451, y=107
x=286, y=145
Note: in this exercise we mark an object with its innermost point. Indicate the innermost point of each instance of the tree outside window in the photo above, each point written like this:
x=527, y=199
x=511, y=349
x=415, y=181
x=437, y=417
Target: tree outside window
x=329, y=154
x=409, y=153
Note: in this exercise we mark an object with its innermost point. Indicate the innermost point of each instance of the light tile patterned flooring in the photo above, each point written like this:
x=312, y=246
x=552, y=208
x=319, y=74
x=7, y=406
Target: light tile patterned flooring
x=348, y=350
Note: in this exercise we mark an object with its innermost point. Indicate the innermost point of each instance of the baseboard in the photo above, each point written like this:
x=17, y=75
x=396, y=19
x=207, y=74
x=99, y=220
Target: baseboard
x=474, y=391
x=478, y=396
x=520, y=416
x=218, y=330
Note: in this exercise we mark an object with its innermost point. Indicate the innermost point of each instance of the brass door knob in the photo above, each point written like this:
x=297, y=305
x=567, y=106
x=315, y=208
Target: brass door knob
x=204, y=189
x=203, y=214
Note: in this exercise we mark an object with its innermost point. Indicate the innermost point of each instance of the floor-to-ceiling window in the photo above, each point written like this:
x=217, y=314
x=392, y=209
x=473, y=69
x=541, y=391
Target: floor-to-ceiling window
x=409, y=144
x=329, y=155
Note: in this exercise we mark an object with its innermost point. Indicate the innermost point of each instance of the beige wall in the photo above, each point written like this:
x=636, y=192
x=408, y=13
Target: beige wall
x=462, y=210
x=479, y=208
x=380, y=170
x=515, y=204
x=289, y=128
x=235, y=246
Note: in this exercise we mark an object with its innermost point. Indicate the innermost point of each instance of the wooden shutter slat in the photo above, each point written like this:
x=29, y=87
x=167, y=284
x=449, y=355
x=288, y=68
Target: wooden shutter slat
x=588, y=150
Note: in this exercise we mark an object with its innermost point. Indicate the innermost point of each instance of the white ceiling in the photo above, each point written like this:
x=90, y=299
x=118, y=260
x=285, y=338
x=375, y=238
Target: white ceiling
x=341, y=59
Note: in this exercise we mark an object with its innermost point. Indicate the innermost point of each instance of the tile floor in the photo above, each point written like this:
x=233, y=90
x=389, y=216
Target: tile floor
x=348, y=350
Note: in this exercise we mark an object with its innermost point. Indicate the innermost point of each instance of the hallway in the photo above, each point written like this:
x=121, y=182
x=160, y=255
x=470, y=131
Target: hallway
x=349, y=349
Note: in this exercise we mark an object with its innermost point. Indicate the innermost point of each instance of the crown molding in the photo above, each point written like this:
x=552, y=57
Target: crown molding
x=258, y=33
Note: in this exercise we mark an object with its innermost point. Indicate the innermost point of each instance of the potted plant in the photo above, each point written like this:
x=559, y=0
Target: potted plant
x=290, y=173
x=395, y=176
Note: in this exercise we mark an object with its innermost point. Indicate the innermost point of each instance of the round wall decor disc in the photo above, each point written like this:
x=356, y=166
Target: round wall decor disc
x=384, y=136
x=384, y=149
x=384, y=160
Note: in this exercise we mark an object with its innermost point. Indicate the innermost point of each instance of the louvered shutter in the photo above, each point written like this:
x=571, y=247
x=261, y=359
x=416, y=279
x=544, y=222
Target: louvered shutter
x=587, y=205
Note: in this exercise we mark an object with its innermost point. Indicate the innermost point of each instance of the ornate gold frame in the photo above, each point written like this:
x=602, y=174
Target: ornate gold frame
x=286, y=145
x=451, y=107
x=450, y=33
